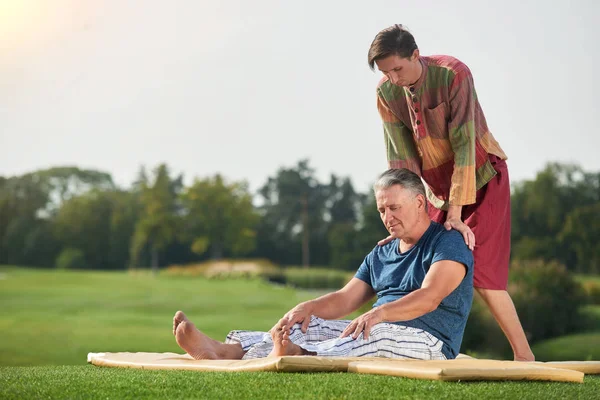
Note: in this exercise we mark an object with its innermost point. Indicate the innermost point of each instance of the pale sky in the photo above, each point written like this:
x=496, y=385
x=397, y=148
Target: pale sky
x=245, y=87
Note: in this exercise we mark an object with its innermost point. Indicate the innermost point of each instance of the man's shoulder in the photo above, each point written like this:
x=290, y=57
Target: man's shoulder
x=450, y=244
x=383, y=81
x=387, y=89
x=452, y=236
x=445, y=62
x=390, y=92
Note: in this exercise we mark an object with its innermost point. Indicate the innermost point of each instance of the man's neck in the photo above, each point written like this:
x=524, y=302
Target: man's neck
x=420, y=69
x=410, y=240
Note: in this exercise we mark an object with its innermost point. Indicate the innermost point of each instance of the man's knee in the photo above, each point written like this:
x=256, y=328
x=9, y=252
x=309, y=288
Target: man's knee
x=379, y=330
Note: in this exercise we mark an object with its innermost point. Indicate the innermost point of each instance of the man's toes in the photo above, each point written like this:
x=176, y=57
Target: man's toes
x=184, y=334
x=179, y=317
x=187, y=327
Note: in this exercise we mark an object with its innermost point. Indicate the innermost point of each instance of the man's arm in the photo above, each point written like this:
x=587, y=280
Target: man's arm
x=441, y=280
x=443, y=277
x=330, y=306
x=461, y=131
x=401, y=151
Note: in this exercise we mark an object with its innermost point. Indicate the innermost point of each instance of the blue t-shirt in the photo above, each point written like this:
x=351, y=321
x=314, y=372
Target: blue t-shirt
x=393, y=275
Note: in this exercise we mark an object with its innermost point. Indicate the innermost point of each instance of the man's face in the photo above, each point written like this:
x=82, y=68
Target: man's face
x=399, y=209
x=401, y=71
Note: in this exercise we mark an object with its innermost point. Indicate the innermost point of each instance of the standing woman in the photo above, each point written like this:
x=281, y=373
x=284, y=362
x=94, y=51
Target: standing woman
x=435, y=127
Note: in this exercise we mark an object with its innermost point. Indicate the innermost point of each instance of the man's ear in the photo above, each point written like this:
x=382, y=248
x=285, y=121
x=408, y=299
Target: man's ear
x=415, y=55
x=421, y=201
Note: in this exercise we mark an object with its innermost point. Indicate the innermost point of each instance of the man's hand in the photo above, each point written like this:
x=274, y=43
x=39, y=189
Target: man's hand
x=468, y=235
x=363, y=324
x=385, y=241
x=299, y=314
x=281, y=324
x=454, y=221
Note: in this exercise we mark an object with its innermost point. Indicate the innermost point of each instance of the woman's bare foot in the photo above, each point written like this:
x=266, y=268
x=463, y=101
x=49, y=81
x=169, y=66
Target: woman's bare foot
x=283, y=346
x=200, y=346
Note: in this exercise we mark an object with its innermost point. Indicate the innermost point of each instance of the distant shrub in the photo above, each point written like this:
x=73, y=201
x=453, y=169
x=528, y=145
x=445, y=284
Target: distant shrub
x=309, y=278
x=224, y=269
x=316, y=278
x=547, y=298
x=483, y=338
x=70, y=258
x=592, y=291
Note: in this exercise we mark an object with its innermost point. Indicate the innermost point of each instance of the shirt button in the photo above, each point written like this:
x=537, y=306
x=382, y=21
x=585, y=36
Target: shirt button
x=412, y=89
x=416, y=110
x=415, y=100
x=418, y=122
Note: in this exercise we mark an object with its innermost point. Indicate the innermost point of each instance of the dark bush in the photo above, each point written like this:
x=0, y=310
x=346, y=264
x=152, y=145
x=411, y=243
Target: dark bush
x=309, y=278
x=316, y=278
x=592, y=291
x=483, y=337
x=70, y=258
x=548, y=299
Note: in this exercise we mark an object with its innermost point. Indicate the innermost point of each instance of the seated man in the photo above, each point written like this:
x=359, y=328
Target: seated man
x=423, y=280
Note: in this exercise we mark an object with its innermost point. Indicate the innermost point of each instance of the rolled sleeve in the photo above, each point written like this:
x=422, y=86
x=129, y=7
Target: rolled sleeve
x=461, y=130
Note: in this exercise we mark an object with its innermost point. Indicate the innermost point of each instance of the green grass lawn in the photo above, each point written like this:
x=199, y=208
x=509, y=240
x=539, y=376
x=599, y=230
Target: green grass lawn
x=94, y=382
x=50, y=320
x=579, y=346
x=54, y=317
x=583, y=346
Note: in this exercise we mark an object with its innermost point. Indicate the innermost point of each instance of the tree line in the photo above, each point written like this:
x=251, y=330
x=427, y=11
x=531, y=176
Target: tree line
x=68, y=217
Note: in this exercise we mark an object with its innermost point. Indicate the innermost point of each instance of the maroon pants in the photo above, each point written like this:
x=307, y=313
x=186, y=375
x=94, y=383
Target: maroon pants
x=489, y=219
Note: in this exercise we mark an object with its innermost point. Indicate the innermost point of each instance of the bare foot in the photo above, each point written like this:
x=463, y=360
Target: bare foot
x=283, y=346
x=200, y=346
x=177, y=319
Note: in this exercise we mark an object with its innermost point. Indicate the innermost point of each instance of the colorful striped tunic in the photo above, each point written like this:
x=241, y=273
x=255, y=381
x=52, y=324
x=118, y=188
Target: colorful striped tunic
x=436, y=128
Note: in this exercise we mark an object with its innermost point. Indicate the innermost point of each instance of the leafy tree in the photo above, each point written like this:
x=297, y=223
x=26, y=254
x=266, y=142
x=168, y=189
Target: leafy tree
x=580, y=233
x=100, y=225
x=124, y=216
x=547, y=298
x=344, y=203
x=158, y=223
x=540, y=209
x=63, y=183
x=346, y=245
x=27, y=206
x=292, y=212
x=219, y=217
x=71, y=258
x=83, y=223
x=20, y=200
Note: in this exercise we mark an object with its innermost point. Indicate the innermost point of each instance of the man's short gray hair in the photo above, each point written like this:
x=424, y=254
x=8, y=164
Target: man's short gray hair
x=403, y=177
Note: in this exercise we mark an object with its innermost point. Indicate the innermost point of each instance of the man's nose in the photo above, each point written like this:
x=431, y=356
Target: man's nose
x=394, y=78
x=387, y=216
